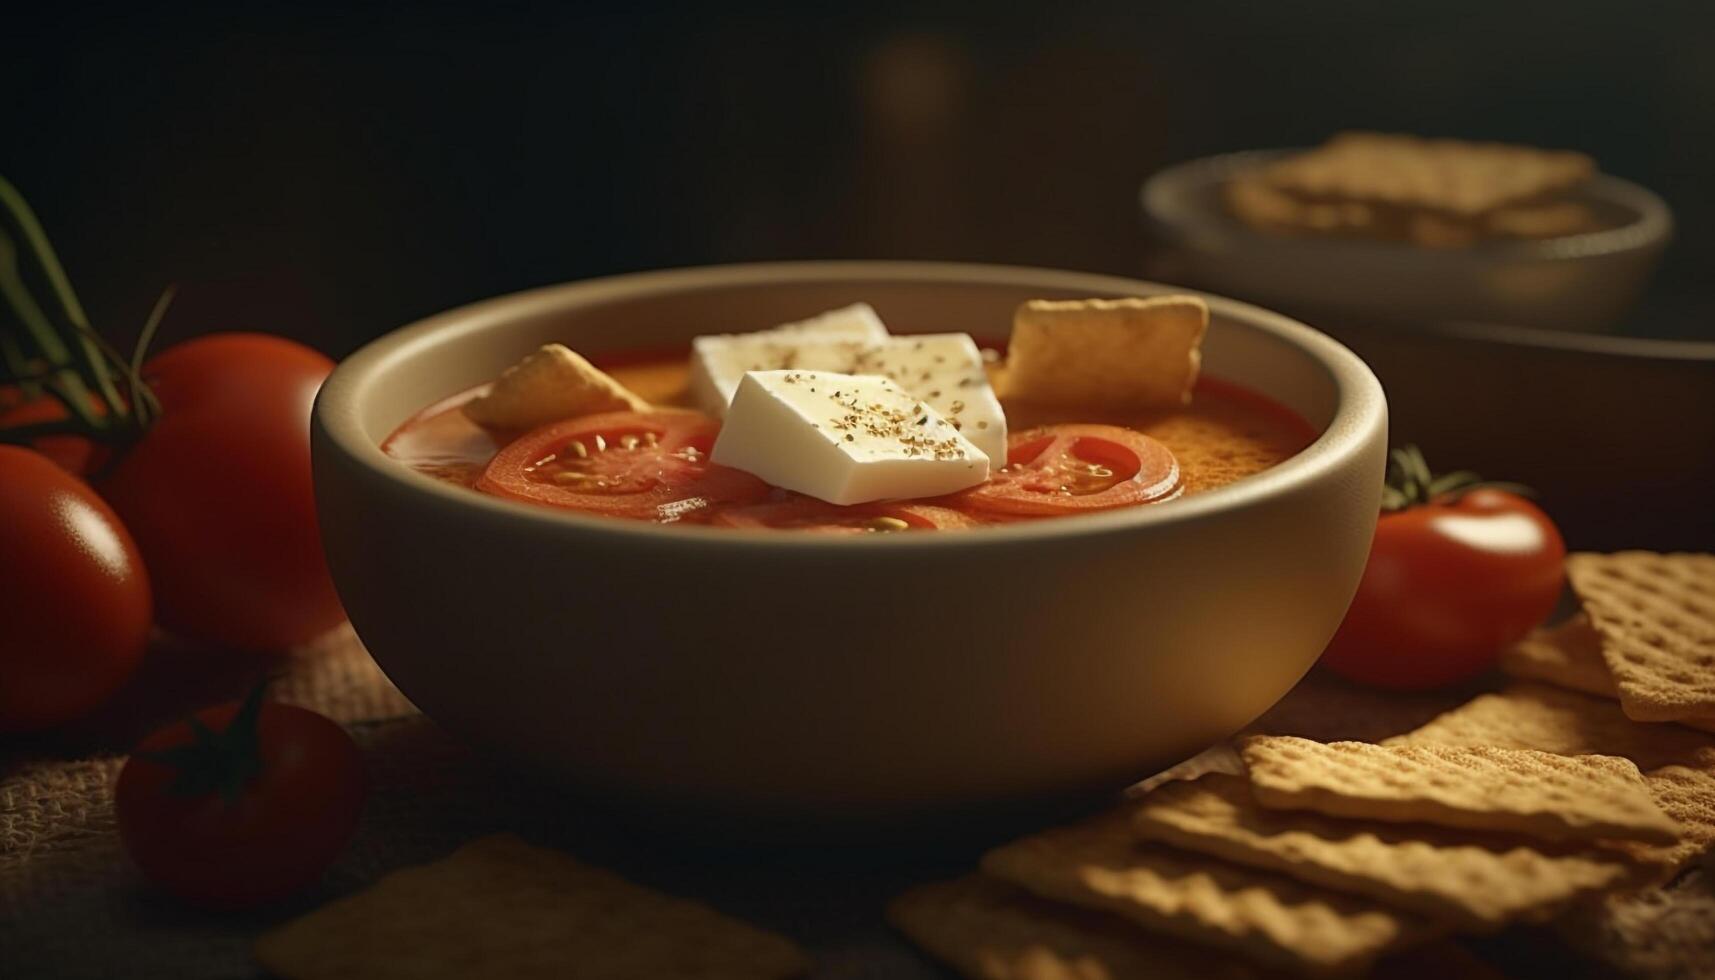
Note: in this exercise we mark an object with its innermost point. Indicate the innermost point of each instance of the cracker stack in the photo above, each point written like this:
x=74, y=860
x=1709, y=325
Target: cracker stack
x=1433, y=193
x=1280, y=854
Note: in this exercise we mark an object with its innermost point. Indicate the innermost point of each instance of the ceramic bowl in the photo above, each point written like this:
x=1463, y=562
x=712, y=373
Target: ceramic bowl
x=774, y=676
x=1573, y=282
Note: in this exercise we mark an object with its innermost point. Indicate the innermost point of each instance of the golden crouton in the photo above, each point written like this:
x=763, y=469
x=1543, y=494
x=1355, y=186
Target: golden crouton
x=550, y=384
x=1106, y=354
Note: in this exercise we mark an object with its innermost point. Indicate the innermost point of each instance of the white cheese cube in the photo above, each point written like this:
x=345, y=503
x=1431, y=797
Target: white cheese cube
x=719, y=361
x=858, y=321
x=945, y=370
x=844, y=439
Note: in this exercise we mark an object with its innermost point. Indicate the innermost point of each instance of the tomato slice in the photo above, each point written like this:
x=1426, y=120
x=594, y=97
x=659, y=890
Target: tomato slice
x=1075, y=469
x=809, y=514
x=650, y=466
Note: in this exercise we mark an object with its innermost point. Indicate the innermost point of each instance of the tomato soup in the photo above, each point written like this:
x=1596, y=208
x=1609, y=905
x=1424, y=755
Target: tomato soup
x=1226, y=433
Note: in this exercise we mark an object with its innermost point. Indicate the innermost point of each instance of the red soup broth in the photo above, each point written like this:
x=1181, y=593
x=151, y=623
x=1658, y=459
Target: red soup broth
x=1226, y=433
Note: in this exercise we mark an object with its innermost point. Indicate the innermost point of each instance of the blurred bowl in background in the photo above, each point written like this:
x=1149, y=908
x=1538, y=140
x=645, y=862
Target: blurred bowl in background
x=1583, y=282
x=1616, y=434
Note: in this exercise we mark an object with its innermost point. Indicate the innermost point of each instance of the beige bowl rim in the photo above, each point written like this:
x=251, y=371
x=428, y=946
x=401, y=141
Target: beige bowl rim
x=1360, y=406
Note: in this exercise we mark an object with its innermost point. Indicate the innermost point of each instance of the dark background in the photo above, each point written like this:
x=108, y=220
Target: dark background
x=331, y=172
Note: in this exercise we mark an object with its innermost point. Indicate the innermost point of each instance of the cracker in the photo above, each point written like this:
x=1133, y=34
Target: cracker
x=987, y=930
x=551, y=383
x=1678, y=763
x=1546, y=220
x=1324, y=708
x=1550, y=719
x=1262, y=206
x=1106, y=355
x=1568, y=655
x=1685, y=792
x=1536, y=794
x=1476, y=881
x=1270, y=209
x=1267, y=918
x=500, y=907
x=1221, y=757
x=1453, y=177
x=1656, y=617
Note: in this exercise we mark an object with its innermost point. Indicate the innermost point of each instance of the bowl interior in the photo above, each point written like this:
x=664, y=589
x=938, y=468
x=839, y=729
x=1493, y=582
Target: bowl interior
x=385, y=384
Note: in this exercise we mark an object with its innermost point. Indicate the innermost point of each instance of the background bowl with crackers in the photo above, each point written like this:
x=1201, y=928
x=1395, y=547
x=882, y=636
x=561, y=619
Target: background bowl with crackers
x=888, y=678
x=1481, y=251
x=1464, y=333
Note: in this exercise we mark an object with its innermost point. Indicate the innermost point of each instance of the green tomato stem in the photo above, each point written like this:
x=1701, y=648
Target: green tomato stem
x=1410, y=482
x=70, y=361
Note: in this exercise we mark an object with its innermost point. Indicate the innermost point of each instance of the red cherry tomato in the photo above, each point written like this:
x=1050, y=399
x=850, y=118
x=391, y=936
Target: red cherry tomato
x=1448, y=585
x=249, y=820
x=219, y=497
x=651, y=466
x=1075, y=469
x=74, y=454
x=74, y=599
x=808, y=514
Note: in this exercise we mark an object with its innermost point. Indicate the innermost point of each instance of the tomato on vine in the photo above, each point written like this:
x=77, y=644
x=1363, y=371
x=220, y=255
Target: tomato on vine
x=203, y=451
x=218, y=493
x=74, y=599
x=1459, y=569
x=72, y=453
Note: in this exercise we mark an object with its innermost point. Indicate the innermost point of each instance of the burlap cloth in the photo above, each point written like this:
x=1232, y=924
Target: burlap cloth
x=72, y=906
